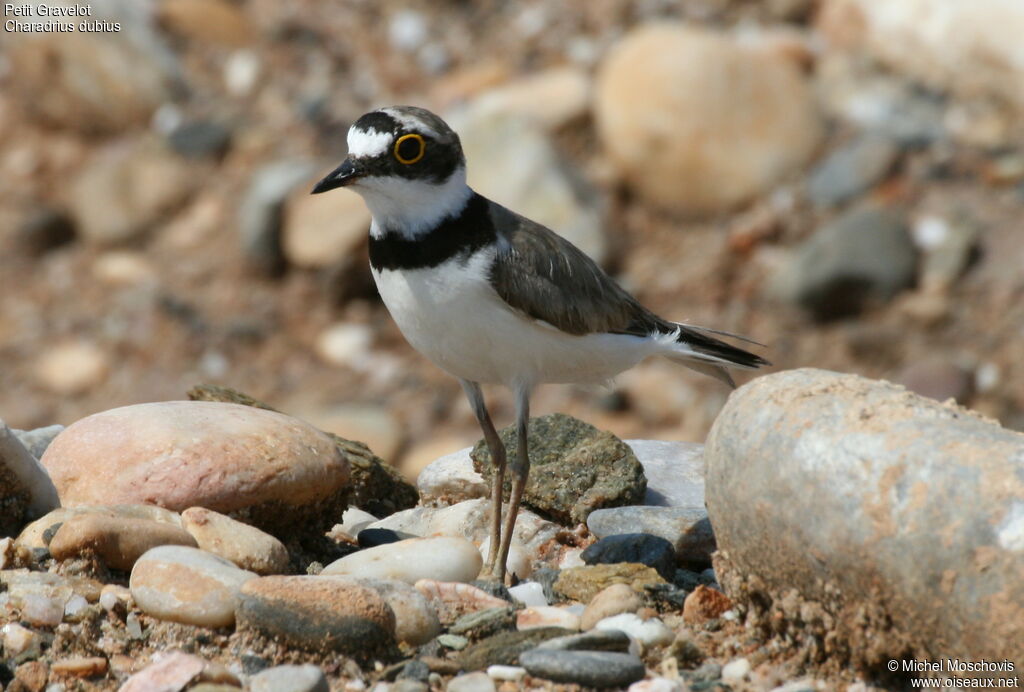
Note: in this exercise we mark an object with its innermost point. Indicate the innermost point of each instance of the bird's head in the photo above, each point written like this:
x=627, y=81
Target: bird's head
x=408, y=165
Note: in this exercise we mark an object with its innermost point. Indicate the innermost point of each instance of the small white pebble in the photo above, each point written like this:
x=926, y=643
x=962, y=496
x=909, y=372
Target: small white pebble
x=735, y=671
x=512, y=673
x=986, y=377
x=929, y=232
x=656, y=685
x=75, y=605
x=529, y=593
x=407, y=30
x=356, y=685
x=651, y=632
x=241, y=70
x=18, y=639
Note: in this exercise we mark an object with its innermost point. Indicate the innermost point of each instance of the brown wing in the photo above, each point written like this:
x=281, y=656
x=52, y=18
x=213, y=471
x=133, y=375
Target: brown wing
x=546, y=277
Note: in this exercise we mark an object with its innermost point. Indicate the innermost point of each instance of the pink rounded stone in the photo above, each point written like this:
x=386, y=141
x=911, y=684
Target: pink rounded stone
x=265, y=466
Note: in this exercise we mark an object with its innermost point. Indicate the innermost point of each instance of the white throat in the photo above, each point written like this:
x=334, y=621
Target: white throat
x=412, y=207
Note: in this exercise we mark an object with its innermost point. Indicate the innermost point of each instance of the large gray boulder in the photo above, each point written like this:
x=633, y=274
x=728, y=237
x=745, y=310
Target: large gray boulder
x=871, y=522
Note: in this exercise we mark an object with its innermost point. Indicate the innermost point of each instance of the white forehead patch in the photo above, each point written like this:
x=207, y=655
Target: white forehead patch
x=410, y=122
x=368, y=143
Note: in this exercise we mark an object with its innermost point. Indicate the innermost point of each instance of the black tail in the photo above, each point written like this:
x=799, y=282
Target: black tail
x=726, y=354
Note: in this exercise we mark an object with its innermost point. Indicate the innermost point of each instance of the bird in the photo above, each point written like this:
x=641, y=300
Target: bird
x=492, y=297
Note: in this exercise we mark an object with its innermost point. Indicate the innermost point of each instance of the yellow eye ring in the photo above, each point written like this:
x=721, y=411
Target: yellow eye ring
x=408, y=161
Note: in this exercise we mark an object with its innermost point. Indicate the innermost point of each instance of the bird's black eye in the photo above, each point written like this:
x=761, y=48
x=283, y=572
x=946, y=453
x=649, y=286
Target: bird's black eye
x=410, y=148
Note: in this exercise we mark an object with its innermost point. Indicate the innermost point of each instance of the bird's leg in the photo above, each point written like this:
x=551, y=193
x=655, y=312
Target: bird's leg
x=497, y=449
x=520, y=470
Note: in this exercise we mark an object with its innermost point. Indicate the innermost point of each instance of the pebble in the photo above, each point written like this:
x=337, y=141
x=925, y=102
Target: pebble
x=658, y=684
x=642, y=548
x=516, y=165
x=575, y=468
x=72, y=368
x=260, y=213
x=506, y=673
x=470, y=520
x=588, y=668
x=416, y=621
x=471, y=682
x=452, y=600
x=125, y=187
x=594, y=640
x=187, y=585
x=80, y=666
x=318, y=613
x=114, y=87
x=114, y=596
x=547, y=616
x=353, y=521
x=651, y=632
x=216, y=22
x=864, y=255
x=734, y=672
x=346, y=345
x=26, y=480
x=707, y=157
x=117, y=541
x=551, y=98
x=703, y=604
x=484, y=623
x=674, y=471
x=200, y=138
x=937, y=378
x=244, y=545
x=37, y=440
x=615, y=599
x=20, y=643
x=442, y=558
x=225, y=457
x=322, y=230
x=35, y=536
x=455, y=642
x=583, y=583
x=504, y=648
x=290, y=678
x=850, y=170
x=169, y=671
x=451, y=479
x=32, y=675
x=529, y=593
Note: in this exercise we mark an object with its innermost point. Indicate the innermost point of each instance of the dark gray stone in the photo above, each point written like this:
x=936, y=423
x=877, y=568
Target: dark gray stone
x=575, y=468
x=647, y=549
x=686, y=528
x=589, y=668
x=895, y=519
x=200, y=138
x=45, y=229
x=594, y=640
x=415, y=670
x=851, y=170
x=484, y=623
x=503, y=649
x=369, y=538
x=261, y=210
x=862, y=257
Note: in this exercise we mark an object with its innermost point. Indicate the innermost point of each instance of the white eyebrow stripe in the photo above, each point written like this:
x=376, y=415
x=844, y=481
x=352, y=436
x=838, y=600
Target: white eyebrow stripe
x=411, y=123
x=368, y=143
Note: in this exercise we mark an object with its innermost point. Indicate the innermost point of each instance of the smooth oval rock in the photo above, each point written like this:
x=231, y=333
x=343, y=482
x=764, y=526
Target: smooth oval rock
x=187, y=585
x=588, y=668
x=443, y=558
x=612, y=600
x=35, y=534
x=650, y=632
x=547, y=616
x=318, y=613
x=416, y=620
x=910, y=511
x=754, y=123
x=274, y=470
x=290, y=678
x=117, y=541
x=244, y=545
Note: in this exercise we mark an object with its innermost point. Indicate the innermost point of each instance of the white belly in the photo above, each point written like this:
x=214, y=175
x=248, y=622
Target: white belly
x=450, y=314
